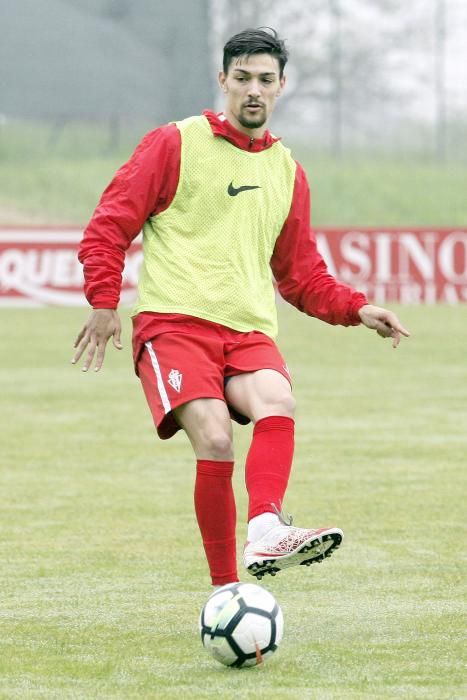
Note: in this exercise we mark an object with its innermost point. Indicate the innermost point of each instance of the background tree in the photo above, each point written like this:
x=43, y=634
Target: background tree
x=341, y=57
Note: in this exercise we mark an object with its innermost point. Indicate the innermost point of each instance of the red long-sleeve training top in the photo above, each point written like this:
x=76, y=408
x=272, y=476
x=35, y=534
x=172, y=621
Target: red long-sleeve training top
x=146, y=186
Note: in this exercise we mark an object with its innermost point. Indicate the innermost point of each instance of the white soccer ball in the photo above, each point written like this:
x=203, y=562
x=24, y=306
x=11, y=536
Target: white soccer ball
x=241, y=624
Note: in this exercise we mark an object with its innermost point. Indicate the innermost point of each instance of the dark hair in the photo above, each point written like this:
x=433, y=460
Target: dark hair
x=252, y=41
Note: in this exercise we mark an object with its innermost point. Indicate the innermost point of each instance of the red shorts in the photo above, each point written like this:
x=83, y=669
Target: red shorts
x=192, y=359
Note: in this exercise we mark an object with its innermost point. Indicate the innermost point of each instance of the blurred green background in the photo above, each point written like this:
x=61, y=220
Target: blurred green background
x=61, y=183
x=375, y=105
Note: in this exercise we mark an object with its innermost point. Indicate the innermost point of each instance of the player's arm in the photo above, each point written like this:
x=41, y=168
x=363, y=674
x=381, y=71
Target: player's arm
x=142, y=187
x=301, y=274
x=305, y=282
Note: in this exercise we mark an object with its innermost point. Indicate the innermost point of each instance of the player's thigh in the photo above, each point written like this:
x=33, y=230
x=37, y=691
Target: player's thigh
x=208, y=426
x=259, y=394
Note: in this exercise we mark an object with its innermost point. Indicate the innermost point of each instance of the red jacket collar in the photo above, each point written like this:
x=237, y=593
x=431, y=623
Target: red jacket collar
x=221, y=127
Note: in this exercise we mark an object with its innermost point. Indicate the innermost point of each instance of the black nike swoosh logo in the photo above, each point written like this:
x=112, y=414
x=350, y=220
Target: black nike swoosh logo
x=233, y=191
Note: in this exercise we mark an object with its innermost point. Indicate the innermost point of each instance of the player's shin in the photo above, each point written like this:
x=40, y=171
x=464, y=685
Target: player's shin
x=267, y=471
x=216, y=515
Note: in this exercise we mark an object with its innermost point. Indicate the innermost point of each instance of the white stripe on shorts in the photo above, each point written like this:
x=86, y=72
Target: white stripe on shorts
x=160, y=382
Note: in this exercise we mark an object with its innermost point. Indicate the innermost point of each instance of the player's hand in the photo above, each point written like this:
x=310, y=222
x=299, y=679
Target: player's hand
x=384, y=322
x=100, y=326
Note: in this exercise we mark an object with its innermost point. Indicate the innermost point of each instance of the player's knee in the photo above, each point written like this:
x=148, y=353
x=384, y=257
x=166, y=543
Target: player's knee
x=218, y=445
x=287, y=405
x=281, y=404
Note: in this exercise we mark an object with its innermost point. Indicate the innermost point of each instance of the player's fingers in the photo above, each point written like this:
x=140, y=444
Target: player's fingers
x=395, y=324
x=90, y=355
x=400, y=329
x=388, y=332
x=116, y=339
x=100, y=354
x=80, y=336
x=396, y=339
x=81, y=348
x=384, y=330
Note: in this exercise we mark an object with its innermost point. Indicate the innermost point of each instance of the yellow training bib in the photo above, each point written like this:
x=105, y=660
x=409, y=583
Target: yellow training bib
x=208, y=253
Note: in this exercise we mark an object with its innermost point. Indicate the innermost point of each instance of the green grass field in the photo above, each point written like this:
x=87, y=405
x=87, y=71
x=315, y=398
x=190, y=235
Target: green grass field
x=102, y=574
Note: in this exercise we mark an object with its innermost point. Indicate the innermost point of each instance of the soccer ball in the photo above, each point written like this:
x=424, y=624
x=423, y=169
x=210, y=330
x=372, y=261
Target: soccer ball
x=241, y=624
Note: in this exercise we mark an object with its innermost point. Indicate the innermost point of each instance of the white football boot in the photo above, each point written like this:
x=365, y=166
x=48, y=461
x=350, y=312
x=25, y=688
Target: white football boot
x=285, y=545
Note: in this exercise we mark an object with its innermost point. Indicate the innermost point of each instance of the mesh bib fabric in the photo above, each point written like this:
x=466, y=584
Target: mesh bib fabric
x=208, y=253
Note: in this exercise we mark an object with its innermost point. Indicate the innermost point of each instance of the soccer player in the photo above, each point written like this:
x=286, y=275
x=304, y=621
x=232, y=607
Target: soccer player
x=223, y=207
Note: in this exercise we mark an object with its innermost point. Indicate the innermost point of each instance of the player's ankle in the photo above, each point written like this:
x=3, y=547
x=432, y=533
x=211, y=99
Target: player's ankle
x=260, y=524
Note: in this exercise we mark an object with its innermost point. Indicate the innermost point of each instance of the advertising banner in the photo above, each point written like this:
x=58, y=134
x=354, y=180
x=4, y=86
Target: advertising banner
x=38, y=266
x=407, y=266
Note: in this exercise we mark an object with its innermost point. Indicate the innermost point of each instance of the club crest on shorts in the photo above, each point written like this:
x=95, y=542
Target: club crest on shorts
x=175, y=379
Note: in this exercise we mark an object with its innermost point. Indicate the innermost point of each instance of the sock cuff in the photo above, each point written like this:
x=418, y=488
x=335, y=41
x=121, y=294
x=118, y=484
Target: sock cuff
x=275, y=423
x=210, y=467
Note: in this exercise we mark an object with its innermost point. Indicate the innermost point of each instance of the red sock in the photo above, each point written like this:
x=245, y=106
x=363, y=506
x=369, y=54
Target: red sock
x=216, y=515
x=268, y=463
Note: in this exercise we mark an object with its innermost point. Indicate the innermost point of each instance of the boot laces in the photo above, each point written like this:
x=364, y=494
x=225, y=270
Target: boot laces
x=281, y=515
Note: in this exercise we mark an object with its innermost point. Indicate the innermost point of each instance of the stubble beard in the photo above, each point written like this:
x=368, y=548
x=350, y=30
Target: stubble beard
x=254, y=122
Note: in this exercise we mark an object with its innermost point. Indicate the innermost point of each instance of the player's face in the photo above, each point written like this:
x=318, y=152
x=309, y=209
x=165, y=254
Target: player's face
x=252, y=85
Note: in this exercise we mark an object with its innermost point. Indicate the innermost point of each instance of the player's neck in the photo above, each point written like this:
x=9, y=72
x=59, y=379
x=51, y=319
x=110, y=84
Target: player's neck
x=255, y=133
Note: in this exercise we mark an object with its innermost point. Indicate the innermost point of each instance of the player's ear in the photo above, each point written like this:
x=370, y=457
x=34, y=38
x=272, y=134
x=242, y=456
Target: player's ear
x=222, y=78
x=282, y=82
